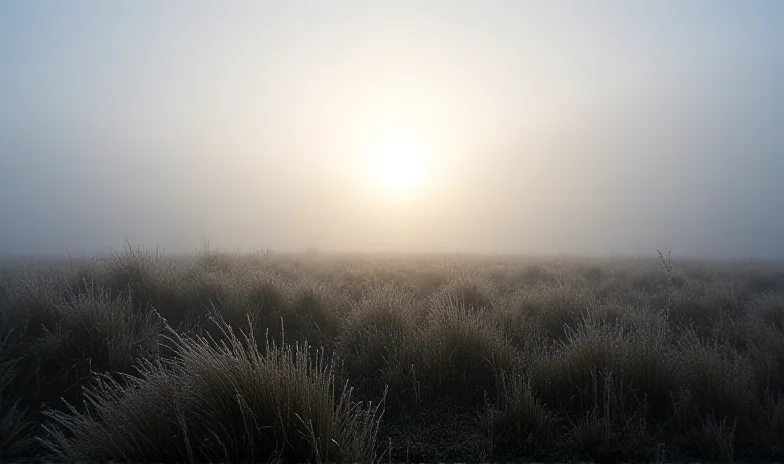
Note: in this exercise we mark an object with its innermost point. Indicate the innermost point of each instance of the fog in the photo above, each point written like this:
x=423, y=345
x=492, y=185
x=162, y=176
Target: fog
x=606, y=127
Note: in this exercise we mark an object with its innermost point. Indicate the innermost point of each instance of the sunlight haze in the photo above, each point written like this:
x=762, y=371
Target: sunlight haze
x=601, y=127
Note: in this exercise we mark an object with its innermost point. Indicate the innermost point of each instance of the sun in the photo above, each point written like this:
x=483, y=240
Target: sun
x=398, y=165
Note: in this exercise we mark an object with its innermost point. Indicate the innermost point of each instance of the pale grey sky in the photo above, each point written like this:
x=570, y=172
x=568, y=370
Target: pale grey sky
x=554, y=126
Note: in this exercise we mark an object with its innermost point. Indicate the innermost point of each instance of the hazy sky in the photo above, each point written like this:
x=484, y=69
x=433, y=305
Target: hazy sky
x=584, y=126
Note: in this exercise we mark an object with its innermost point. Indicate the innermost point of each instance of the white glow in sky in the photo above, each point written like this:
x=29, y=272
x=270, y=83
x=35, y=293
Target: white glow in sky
x=537, y=126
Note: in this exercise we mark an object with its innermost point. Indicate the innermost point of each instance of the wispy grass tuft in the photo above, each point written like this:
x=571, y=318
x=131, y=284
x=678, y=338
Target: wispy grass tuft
x=221, y=401
x=518, y=420
x=377, y=342
x=472, y=291
x=16, y=426
x=110, y=332
x=214, y=260
x=93, y=332
x=640, y=358
x=610, y=430
x=549, y=310
x=768, y=307
x=151, y=280
x=720, y=379
x=29, y=303
x=464, y=353
x=313, y=312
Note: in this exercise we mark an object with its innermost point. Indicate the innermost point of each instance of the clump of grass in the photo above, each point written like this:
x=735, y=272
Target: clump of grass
x=29, y=304
x=761, y=280
x=610, y=430
x=464, y=352
x=267, y=290
x=472, y=291
x=765, y=349
x=246, y=300
x=82, y=274
x=15, y=424
x=640, y=358
x=768, y=307
x=549, y=310
x=593, y=273
x=140, y=419
x=265, y=296
x=151, y=280
x=204, y=290
x=771, y=438
x=424, y=282
x=92, y=332
x=651, y=280
x=709, y=312
x=220, y=401
x=720, y=379
x=716, y=439
x=522, y=327
x=616, y=311
x=215, y=293
x=377, y=340
x=519, y=422
x=110, y=332
x=686, y=309
x=313, y=312
x=534, y=275
x=214, y=260
x=29, y=313
x=696, y=435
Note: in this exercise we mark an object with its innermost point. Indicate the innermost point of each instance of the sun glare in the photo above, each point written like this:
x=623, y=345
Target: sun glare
x=398, y=165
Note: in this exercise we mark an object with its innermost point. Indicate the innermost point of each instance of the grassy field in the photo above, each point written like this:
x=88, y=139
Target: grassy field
x=141, y=357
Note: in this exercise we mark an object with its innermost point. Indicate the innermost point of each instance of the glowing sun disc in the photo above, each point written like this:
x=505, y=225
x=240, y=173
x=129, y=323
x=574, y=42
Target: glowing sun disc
x=398, y=165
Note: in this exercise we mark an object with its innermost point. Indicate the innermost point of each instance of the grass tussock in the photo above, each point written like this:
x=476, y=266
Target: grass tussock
x=150, y=279
x=464, y=353
x=548, y=311
x=769, y=308
x=639, y=358
x=214, y=260
x=610, y=430
x=720, y=380
x=313, y=312
x=16, y=426
x=518, y=421
x=29, y=303
x=111, y=332
x=221, y=401
x=93, y=332
x=471, y=291
x=377, y=342
x=771, y=438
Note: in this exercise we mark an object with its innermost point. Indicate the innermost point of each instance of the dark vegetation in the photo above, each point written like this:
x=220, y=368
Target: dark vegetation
x=221, y=357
